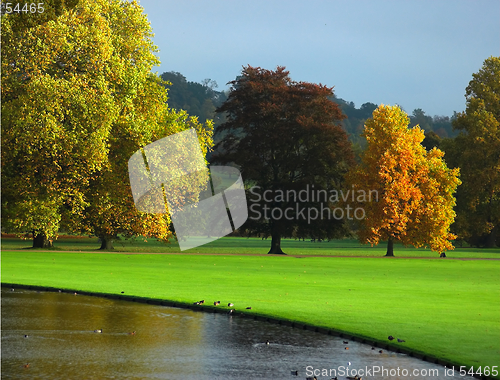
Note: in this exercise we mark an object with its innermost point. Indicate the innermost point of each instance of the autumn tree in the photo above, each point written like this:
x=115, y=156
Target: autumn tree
x=415, y=188
x=476, y=150
x=78, y=96
x=284, y=136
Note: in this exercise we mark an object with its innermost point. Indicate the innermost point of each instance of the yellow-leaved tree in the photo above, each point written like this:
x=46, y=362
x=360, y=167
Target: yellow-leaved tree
x=78, y=99
x=414, y=202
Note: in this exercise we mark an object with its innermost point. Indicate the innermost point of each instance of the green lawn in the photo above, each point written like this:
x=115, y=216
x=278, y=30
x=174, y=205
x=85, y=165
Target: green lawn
x=446, y=308
x=344, y=247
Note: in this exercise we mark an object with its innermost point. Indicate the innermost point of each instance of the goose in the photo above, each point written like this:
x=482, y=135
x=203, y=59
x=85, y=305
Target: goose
x=345, y=342
x=267, y=342
x=201, y=302
x=390, y=337
x=27, y=365
x=230, y=304
x=26, y=336
x=131, y=333
x=98, y=331
x=401, y=340
x=295, y=373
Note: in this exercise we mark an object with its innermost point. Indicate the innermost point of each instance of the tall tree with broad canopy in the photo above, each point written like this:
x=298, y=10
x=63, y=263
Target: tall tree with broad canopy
x=476, y=150
x=78, y=98
x=415, y=188
x=284, y=136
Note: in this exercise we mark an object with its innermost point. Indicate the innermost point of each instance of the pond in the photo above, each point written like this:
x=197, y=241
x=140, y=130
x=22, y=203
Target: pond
x=173, y=343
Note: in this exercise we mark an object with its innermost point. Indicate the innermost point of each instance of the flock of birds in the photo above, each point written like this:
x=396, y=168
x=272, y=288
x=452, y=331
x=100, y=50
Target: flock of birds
x=217, y=303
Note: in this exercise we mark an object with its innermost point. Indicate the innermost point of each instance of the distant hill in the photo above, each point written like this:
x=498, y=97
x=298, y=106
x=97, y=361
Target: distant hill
x=201, y=99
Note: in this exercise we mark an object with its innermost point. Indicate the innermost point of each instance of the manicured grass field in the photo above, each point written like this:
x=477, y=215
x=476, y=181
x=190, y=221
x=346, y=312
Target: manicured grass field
x=446, y=308
x=231, y=245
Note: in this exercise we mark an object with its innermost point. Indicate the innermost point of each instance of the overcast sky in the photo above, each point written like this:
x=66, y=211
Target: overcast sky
x=416, y=53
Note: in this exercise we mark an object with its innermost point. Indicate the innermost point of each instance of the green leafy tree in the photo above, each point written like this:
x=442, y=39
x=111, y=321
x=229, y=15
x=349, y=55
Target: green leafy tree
x=283, y=135
x=476, y=150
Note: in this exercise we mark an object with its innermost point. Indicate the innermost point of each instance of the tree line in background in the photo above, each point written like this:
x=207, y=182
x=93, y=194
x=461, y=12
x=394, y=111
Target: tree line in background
x=79, y=98
x=470, y=141
x=202, y=99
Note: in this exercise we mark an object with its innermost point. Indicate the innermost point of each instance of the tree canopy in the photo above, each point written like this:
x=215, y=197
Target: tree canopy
x=78, y=96
x=415, y=188
x=283, y=135
x=476, y=150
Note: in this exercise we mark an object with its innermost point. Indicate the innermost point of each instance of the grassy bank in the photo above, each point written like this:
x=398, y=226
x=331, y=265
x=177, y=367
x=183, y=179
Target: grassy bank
x=446, y=308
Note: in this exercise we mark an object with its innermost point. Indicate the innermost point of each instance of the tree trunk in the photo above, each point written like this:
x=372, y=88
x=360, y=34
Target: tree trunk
x=106, y=243
x=40, y=240
x=390, y=247
x=491, y=238
x=442, y=254
x=276, y=244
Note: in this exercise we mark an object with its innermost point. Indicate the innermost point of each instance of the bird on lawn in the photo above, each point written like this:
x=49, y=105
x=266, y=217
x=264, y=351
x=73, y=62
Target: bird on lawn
x=98, y=331
x=216, y=303
x=230, y=304
x=401, y=340
x=201, y=302
x=390, y=337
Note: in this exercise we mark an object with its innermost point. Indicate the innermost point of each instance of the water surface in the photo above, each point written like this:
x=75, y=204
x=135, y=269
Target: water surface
x=171, y=343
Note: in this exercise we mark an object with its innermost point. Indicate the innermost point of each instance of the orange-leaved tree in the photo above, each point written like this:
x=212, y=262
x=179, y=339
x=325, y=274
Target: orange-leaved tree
x=414, y=188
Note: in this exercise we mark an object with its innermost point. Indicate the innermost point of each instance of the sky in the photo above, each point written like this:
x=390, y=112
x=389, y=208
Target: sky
x=414, y=53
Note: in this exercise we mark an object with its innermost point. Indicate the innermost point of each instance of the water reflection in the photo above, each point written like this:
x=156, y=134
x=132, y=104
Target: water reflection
x=169, y=343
